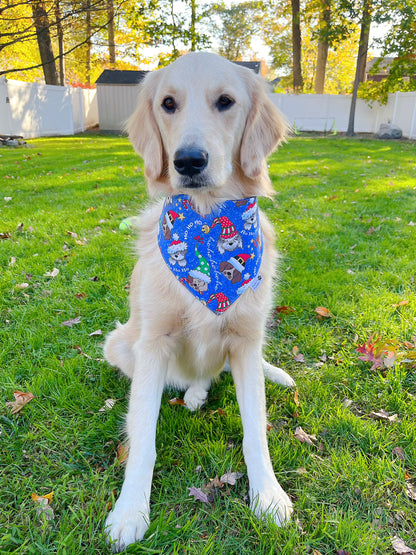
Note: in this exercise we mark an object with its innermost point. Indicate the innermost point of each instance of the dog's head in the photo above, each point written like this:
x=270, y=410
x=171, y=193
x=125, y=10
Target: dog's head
x=203, y=124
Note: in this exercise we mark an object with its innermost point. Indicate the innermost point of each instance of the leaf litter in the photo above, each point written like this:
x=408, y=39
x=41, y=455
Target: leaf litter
x=211, y=490
x=21, y=399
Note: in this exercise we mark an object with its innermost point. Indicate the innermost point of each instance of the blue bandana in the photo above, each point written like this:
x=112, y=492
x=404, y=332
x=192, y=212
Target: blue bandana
x=217, y=256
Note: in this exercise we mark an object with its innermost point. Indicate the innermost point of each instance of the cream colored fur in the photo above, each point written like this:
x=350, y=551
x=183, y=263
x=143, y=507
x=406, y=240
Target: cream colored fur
x=171, y=338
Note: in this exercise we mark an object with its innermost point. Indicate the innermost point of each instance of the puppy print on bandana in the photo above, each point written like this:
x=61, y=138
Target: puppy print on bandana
x=177, y=251
x=250, y=215
x=217, y=257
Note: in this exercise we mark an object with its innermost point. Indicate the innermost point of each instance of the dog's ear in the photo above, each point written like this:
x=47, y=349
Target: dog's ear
x=144, y=133
x=265, y=129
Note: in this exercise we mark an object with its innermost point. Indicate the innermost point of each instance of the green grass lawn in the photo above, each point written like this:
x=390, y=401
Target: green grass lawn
x=345, y=218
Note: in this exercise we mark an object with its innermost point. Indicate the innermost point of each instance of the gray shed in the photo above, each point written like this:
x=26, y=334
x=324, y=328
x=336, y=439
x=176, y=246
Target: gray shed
x=117, y=97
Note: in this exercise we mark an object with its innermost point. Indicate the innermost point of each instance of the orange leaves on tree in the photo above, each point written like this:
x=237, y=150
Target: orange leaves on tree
x=21, y=399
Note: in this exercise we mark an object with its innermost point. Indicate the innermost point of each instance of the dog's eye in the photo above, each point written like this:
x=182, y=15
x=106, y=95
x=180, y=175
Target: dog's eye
x=224, y=102
x=169, y=105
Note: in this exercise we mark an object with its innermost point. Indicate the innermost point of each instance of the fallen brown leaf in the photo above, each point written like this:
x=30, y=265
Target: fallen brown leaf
x=122, y=453
x=404, y=302
x=383, y=415
x=323, y=312
x=21, y=399
x=303, y=437
x=231, y=477
x=398, y=451
x=400, y=547
x=199, y=495
x=71, y=322
x=299, y=357
x=177, y=401
x=410, y=490
x=81, y=352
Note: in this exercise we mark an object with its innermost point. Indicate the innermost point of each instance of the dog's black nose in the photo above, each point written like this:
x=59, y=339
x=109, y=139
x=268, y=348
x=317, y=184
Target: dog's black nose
x=190, y=161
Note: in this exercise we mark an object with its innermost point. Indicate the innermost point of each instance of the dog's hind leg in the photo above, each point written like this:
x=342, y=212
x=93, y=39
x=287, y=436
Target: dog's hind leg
x=277, y=375
x=272, y=373
x=196, y=395
x=118, y=348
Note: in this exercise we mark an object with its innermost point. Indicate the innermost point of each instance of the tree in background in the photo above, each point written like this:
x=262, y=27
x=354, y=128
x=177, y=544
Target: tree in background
x=399, y=41
x=233, y=26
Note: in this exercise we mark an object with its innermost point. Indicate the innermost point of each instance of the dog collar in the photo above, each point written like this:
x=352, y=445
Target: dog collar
x=216, y=256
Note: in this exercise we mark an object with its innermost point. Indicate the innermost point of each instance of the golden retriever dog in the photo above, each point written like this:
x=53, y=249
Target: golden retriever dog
x=204, y=127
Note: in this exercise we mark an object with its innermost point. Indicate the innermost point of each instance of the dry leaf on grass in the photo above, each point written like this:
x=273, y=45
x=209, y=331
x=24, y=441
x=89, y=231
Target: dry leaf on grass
x=122, y=453
x=21, y=399
x=53, y=273
x=71, y=322
x=410, y=490
x=44, y=508
x=303, y=437
x=199, y=495
x=298, y=357
x=177, y=401
x=382, y=415
x=323, y=312
x=108, y=405
x=230, y=478
x=400, y=547
x=398, y=451
x=81, y=352
x=96, y=332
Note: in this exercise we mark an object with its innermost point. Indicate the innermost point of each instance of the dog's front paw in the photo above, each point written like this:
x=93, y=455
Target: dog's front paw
x=125, y=526
x=195, y=397
x=272, y=504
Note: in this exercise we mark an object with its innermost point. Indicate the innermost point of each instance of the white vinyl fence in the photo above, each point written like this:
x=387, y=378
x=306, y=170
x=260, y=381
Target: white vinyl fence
x=330, y=113
x=36, y=110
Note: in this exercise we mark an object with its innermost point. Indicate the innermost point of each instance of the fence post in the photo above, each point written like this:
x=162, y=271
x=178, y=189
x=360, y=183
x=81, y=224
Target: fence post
x=396, y=96
x=412, y=126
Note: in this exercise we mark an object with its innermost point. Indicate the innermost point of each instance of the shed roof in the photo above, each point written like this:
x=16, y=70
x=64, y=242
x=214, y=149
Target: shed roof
x=255, y=66
x=120, y=77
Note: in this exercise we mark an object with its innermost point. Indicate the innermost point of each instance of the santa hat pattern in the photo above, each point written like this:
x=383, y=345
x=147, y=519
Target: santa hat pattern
x=250, y=211
x=202, y=271
x=245, y=284
x=239, y=261
x=176, y=245
x=222, y=300
x=228, y=229
x=170, y=218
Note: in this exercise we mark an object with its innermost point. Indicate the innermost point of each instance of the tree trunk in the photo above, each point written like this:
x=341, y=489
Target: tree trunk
x=60, y=33
x=111, y=43
x=88, y=43
x=361, y=62
x=41, y=21
x=193, y=22
x=323, y=46
x=296, y=47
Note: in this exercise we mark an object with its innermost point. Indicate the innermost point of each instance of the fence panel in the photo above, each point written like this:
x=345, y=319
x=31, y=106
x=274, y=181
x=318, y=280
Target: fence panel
x=36, y=110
